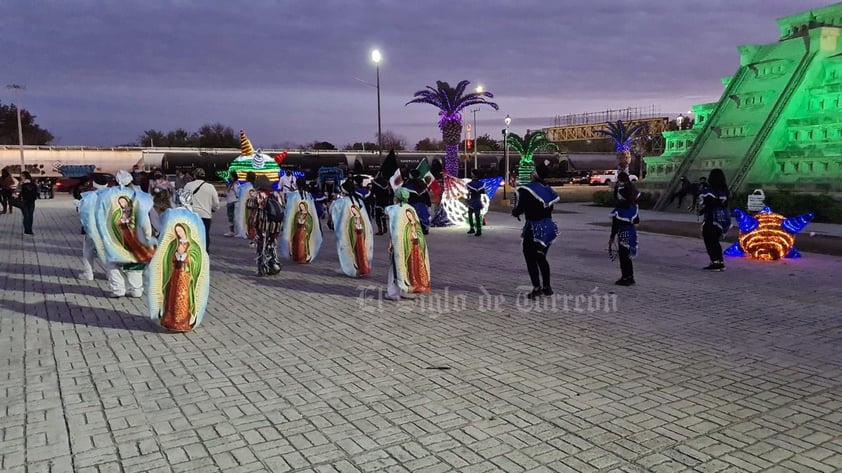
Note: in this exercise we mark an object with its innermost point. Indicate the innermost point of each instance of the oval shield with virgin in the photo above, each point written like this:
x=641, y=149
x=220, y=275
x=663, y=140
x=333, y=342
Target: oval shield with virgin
x=122, y=217
x=178, y=277
x=354, y=236
x=410, y=259
x=87, y=216
x=302, y=237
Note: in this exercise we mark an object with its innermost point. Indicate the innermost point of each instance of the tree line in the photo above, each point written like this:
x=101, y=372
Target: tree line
x=217, y=135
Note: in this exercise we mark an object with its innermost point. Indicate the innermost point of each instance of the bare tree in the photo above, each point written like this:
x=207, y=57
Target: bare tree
x=392, y=140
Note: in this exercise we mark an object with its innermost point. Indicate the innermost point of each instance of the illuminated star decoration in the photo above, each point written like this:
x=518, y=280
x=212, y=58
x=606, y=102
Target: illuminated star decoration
x=767, y=236
x=452, y=210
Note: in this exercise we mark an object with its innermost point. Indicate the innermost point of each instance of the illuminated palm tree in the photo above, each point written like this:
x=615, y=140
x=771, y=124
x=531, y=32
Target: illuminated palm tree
x=622, y=136
x=526, y=147
x=450, y=101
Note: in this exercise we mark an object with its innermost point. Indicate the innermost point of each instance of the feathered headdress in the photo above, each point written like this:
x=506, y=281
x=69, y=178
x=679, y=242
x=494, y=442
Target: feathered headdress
x=622, y=135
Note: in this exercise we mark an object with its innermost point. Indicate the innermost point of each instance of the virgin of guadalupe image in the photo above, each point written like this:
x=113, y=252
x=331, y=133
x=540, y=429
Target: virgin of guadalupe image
x=124, y=226
x=415, y=247
x=178, y=275
x=357, y=232
x=354, y=237
x=301, y=235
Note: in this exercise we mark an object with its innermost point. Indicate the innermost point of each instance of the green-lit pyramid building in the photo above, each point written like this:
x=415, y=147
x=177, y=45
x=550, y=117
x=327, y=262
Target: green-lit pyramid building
x=778, y=123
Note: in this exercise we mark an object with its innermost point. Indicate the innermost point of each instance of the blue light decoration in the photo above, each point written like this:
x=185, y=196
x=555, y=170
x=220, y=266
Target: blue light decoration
x=767, y=236
x=622, y=135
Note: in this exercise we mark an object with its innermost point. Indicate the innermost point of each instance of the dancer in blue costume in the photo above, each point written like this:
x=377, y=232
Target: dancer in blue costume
x=535, y=202
x=624, y=218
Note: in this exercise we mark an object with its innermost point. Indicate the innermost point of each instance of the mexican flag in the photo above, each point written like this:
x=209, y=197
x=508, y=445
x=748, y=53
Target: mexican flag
x=390, y=170
x=424, y=171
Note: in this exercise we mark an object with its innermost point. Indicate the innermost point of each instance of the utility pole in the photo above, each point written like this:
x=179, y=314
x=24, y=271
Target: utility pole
x=18, y=88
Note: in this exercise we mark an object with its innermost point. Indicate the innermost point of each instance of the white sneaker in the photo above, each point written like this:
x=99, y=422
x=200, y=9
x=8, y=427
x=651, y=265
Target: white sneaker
x=115, y=295
x=85, y=276
x=135, y=294
x=228, y=234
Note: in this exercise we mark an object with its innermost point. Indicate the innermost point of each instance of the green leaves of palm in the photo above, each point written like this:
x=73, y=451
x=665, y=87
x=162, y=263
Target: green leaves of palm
x=531, y=143
x=451, y=100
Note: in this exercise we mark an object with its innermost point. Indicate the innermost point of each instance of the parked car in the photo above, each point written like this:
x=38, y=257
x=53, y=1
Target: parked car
x=607, y=177
x=69, y=184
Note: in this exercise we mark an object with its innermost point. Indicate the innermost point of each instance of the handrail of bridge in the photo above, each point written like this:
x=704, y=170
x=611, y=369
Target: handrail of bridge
x=706, y=130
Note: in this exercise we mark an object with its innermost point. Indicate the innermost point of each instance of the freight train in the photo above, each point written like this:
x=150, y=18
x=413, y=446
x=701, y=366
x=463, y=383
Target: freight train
x=48, y=161
x=489, y=164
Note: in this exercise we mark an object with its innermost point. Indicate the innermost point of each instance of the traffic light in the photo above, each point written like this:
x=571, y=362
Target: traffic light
x=469, y=144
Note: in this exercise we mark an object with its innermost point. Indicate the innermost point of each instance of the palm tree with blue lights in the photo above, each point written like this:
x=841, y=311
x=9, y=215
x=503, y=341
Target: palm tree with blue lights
x=450, y=101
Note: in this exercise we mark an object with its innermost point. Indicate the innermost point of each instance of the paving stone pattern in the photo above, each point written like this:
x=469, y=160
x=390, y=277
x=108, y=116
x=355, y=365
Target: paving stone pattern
x=726, y=372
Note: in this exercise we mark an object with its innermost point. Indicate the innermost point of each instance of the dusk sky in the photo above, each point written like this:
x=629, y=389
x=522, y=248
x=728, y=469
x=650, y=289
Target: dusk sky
x=99, y=73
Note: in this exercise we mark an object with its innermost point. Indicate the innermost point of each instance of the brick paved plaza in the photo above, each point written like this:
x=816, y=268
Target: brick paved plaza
x=734, y=372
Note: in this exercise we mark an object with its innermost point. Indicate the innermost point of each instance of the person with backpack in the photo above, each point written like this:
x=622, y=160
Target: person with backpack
x=28, y=194
x=203, y=200
x=266, y=219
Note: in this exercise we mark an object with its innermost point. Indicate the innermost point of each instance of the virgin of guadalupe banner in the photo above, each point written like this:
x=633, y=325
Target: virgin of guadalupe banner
x=410, y=260
x=240, y=211
x=354, y=236
x=87, y=215
x=122, y=217
x=302, y=237
x=178, y=277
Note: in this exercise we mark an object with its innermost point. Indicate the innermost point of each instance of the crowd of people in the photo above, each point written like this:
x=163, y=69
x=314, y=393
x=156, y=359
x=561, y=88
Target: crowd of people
x=284, y=221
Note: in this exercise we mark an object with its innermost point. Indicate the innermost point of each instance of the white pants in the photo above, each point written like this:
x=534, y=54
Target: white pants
x=124, y=283
x=88, y=252
x=393, y=291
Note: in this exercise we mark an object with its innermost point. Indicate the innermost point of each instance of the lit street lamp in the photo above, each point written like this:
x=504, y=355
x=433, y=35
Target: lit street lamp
x=508, y=121
x=679, y=120
x=18, y=88
x=376, y=57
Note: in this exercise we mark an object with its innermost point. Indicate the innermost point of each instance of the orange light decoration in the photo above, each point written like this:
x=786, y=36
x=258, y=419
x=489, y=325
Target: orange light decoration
x=768, y=236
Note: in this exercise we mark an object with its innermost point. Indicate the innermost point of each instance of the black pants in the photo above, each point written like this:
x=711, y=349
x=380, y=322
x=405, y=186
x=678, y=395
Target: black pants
x=207, y=223
x=711, y=234
x=380, y=219
x=28, y=211
x=626, y=266
x=475, y=219
x=536, y=260
x=6, y=199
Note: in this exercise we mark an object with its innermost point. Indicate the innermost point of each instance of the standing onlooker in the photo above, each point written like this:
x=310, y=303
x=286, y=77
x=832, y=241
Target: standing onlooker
x=624, y=219
x=383, y=197
x=476, y=189
x=231, y=189
x=7, y=187
x=204, y=200
x=684, y=189
x=28, y=193
x=698, y=189
x=535, y=201
x=717, y=219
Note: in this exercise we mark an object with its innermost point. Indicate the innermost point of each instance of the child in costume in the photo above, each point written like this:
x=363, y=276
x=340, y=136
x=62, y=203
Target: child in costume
x=354, y=237
x=476, y=189
x=266, y=222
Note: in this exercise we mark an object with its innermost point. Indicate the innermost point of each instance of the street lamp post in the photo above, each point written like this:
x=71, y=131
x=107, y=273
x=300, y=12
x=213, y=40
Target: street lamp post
x=476, y=133
x=377, y=57
x=508, y=121
x=18, y=88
